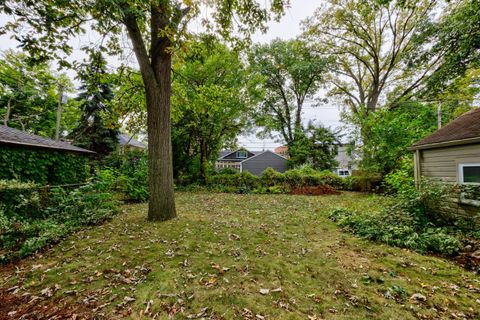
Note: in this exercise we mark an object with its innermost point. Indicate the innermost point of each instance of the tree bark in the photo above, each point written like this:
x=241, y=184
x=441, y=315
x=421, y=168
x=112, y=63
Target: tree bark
x=161, y=205
x=203, y=162
x=156, y=75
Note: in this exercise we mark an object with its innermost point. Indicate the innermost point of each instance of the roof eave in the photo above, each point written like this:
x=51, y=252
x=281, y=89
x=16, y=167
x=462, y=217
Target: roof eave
x=444, y=144
x=14, y=143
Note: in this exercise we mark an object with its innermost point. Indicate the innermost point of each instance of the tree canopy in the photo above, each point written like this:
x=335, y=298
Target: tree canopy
x=29, y=95
x=155, y=29
x=292, y=73
x=211, y=102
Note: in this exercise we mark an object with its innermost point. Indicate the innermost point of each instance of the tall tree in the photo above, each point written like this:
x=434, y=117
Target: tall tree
x=211, y=100
x=29, y=95
x=457, y=34
x=92, y=133
x=371, y=43
x=292, y=73
x=155, y=29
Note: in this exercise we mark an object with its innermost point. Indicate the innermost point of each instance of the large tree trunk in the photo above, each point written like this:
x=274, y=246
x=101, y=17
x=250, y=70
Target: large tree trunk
x=203, y=162
x=161, y=205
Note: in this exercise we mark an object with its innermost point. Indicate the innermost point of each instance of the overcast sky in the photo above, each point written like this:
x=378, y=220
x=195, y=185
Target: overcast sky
x=287, y=28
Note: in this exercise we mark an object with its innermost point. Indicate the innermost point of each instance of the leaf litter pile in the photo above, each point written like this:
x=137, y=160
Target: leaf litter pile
x=235, y=257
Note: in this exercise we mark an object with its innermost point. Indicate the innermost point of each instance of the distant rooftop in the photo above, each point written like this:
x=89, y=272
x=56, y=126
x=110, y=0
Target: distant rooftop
x=14, y=137
x=124, y=139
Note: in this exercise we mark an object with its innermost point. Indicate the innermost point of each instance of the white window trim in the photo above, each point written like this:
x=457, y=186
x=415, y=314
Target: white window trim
x=460, y=172
x=238, y=154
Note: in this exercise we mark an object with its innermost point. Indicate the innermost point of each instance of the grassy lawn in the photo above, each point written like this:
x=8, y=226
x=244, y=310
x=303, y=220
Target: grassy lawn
x=236, y=256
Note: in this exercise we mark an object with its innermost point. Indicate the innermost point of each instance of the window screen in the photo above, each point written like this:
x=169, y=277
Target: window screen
x=471, y=173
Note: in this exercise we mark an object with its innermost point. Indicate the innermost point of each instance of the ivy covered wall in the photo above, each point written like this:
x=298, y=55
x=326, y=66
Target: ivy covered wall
x=42, y=166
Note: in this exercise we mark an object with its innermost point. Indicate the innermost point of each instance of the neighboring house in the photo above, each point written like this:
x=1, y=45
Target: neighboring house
x=346, y=163
x=283, y=151
x=253, y=162
x=127, y=142
x=452, y=155
x=23, y=156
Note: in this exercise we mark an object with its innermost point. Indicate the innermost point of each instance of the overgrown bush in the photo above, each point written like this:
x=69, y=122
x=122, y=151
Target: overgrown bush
x=363, y=182
x=272, y=181
x=128, y=176
x=28, y=224
x=42, y=167
x=405, y=224
x=238, y=182
x=271, y=177
x=401, y=181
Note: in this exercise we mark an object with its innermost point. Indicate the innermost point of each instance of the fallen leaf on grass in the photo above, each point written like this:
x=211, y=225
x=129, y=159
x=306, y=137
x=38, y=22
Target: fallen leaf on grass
x=264, y=291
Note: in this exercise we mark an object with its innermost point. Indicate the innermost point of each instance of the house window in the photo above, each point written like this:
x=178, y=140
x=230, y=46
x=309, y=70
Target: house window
x=242, y=154
x=343, y=173
x=469, y=173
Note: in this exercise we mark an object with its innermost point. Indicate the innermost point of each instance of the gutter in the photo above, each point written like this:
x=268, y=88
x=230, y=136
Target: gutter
x=450, y=143
x=40, y=146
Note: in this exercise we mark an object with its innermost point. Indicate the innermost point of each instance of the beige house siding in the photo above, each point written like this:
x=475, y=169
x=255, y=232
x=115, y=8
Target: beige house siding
x=441, y=164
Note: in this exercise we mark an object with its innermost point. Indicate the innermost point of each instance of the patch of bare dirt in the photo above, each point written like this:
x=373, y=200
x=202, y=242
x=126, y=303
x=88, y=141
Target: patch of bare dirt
x=314, y=190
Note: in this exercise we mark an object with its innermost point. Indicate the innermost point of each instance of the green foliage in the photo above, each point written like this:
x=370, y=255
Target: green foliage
x=125, y=174
x=92, y=132
x=470, y=191
x=272, y=181
x=270, y=190
x=34, y=217
x=42, y=166
x=212, y=99
x=29, y=95
x=317, y=146
x=401, y=180
x=243, y=182
x=405, y=224
x=292, y=71
x=363, y=181
x=307, y=176
x=391, y=132
x=457, y=37
x=270, y=177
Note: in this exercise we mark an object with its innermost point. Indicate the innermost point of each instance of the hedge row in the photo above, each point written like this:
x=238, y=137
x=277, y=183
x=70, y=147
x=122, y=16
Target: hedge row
x=271, y=178
x=42, y=167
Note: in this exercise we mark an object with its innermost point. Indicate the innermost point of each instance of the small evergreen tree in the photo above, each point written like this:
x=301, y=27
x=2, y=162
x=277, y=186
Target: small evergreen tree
x=92, y=132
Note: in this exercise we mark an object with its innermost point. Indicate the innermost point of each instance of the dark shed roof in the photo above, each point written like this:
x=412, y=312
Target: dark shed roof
x=16, y=137
x=463, y=129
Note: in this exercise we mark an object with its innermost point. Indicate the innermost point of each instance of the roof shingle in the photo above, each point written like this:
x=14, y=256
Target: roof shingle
x=13, y=136
x=467, y=126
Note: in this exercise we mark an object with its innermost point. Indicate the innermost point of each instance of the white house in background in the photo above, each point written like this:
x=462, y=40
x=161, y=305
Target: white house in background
x=346, y=162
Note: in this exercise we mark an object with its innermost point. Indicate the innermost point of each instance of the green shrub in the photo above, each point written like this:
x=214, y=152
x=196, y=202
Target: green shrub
x=270, y=190
x=405, y=224
x=226, y=171
x=21, y=198
x=270, y=177
x=129, y=178
x=239, y=180
x=23, y=232
x=363, y=182
x=402, y=180
x=42, y=166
